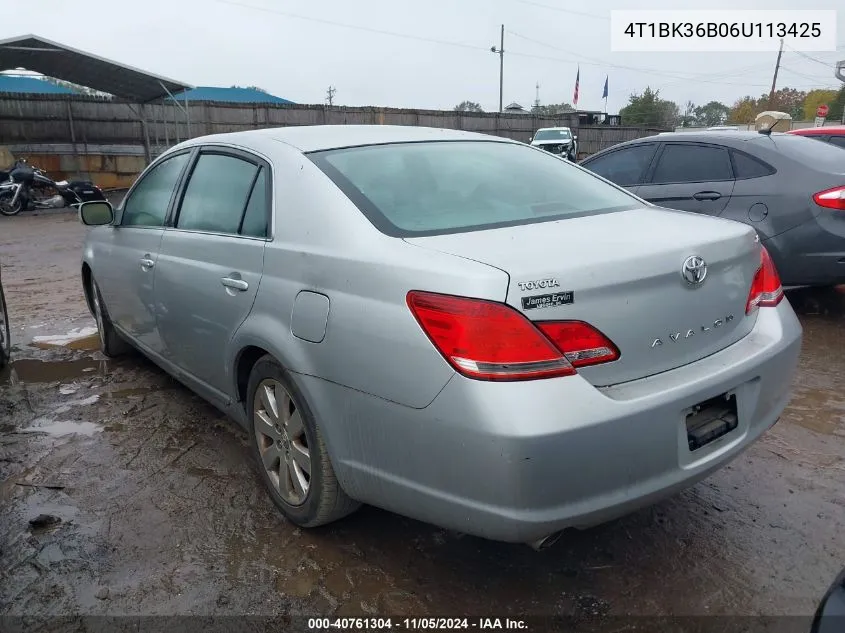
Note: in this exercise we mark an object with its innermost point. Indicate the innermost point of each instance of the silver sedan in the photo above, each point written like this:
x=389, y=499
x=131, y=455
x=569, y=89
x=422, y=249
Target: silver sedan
x=456, y=327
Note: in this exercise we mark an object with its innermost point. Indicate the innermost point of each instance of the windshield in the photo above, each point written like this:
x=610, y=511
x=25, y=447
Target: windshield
x=821, y=156
x=431, y=188
x=552, y=135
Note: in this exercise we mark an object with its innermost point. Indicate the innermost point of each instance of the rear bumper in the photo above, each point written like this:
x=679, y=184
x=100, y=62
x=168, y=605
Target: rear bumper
x=519, y=461
x=813, y=253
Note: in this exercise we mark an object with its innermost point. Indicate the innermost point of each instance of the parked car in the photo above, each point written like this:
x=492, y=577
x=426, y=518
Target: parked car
x=448, y=325
x=557, y=140
x=833, y=134
x=789, y=188
x=5, y=334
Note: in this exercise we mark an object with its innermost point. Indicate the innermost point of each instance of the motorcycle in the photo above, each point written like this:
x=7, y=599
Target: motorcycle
x=25, y=187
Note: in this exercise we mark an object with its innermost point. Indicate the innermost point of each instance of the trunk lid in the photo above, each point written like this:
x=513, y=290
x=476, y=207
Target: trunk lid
x=622, y=273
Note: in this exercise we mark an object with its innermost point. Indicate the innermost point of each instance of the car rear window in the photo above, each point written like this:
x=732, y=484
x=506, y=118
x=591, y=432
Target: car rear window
x=806, y=150
x=432, y=188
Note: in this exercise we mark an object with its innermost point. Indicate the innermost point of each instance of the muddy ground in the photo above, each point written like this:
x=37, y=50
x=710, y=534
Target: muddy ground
x=161, y=511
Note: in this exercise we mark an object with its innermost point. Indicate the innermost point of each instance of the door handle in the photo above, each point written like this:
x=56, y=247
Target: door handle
x=707, y=195
x=147, y=263
x=237, y=284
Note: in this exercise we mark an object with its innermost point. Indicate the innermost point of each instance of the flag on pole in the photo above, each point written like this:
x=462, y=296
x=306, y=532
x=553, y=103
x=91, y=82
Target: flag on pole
x=577, y=81
x=604, y=93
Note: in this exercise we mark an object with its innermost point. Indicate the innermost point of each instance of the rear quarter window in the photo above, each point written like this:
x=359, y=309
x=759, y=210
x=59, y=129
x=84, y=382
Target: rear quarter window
x=746, y=166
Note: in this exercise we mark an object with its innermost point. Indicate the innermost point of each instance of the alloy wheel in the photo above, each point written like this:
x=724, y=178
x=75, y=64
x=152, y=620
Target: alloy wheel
x=282, y=441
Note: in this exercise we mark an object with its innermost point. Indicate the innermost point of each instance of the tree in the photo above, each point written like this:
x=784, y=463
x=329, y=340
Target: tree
x=745, y=110
x=814, y=99
x=468, y=106
x=787, y=100
x=688, y=119
x=713, y=113
x=552, y=109
x=838, y=106
x=649, y=110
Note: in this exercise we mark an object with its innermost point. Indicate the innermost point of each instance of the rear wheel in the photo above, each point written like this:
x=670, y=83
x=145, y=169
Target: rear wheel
x=5, y=335
x=289, y=449
x=111, y=343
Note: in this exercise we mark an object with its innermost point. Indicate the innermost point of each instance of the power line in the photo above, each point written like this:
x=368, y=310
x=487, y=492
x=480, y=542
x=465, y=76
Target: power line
x=570, y=11
x=356, y=27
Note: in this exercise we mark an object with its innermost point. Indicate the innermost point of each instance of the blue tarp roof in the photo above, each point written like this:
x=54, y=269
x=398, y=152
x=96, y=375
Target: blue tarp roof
x=30, y=84
x=232, y=95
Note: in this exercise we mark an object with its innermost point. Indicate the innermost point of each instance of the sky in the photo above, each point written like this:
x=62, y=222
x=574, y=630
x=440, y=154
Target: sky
x=431, y=54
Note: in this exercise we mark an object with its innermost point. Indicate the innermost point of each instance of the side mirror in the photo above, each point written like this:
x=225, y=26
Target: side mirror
x=96, y=213
x=830, y=616
x=575, y=136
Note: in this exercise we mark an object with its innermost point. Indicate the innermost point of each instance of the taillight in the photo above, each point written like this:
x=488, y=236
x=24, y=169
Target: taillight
x=831, y=198
x=492, y=341
x=580, y=342
x=766, y=289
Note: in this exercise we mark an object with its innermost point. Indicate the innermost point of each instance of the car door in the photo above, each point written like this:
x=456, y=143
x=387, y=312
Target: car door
x=211, y=260
x=626, y=166
x=124, y=267
x=691, y=177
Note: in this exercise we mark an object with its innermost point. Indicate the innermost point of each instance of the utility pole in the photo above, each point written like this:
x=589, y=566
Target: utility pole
x=330, y=95
x=775, y=78
x=501, y=53
x=537, y=97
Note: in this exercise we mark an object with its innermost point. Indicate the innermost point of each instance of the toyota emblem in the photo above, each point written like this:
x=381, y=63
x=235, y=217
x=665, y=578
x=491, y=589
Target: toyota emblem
x=694, y=270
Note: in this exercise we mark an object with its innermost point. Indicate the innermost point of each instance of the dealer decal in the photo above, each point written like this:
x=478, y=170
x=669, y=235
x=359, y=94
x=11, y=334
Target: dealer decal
x=548, y=301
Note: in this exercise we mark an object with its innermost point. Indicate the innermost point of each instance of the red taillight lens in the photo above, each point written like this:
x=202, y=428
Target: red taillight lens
x=766, y=289
x=580, y=342
x=831, y=198
x=492, y=341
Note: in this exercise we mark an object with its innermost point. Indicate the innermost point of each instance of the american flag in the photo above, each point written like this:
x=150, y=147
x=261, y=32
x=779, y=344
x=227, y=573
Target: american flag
x=577, y=81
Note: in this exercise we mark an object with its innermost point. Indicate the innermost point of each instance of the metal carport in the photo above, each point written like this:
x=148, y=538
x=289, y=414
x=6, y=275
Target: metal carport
x=69, y=64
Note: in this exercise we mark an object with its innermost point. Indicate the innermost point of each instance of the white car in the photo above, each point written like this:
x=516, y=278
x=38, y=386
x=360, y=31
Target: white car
x=557, y=140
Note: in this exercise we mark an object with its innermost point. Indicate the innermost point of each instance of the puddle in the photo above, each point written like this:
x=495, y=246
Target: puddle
x=82, y=338
x=30, y=370
x=59, y=429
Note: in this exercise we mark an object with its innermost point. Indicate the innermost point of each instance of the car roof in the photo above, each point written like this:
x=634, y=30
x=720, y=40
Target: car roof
x=833, y=130
x=562, y=127
x=724, y=137
x=313, y=138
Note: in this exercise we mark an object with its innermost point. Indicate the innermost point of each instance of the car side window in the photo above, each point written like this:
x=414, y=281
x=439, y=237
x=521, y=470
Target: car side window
x=625, y=167
x=217, y=194
x=255, y=218
x=839, y=141
x=746, y=166
x=148, y=202
x=692, y=163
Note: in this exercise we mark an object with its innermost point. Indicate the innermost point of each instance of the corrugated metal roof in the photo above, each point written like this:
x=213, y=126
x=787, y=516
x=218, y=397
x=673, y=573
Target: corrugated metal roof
x=31, y=85
x=63, y=62
x=232, y=95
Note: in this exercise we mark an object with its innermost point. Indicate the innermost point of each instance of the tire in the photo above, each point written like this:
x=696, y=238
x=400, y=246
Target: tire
x=5, y=334
x=111, y=343
x=6, y=207
x=280, y=436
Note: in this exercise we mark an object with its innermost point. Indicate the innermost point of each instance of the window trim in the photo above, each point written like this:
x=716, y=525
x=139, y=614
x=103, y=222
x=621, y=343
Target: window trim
x=664, y=144
x=771, y=169
x=645, y=173
x=150, y=168
x=232, y=152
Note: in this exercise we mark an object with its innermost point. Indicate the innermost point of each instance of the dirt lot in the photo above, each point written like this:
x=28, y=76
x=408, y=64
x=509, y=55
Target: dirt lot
x=161, y=511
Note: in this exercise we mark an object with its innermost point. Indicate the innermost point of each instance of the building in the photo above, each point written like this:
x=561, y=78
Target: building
x=30, y=85
x=230, y=95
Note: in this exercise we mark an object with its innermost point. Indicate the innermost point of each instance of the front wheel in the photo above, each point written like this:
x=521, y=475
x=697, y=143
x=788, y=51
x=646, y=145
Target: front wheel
x=111, y=343
x=289, y=449
x=7, y=207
